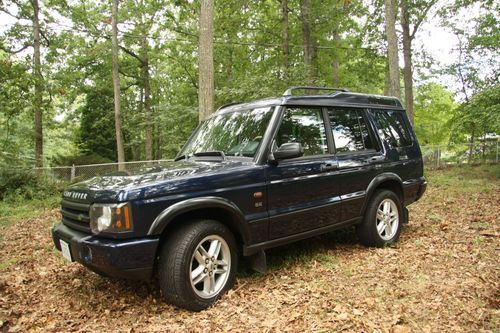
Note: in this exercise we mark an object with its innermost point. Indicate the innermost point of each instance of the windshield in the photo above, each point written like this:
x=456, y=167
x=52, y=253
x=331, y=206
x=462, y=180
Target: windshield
x=236, y=133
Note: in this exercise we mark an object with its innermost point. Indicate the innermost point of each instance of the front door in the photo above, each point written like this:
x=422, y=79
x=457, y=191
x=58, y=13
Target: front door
x=303, y=193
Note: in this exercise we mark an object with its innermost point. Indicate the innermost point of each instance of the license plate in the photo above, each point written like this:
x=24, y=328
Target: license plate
x=65, y=250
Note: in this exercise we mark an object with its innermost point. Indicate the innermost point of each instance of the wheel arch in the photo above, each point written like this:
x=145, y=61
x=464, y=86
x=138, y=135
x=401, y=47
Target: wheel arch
x=212, y=208
x=389, y=181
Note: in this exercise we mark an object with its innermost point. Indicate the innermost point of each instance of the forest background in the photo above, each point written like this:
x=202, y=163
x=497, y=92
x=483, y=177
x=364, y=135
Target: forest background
x=56, y=63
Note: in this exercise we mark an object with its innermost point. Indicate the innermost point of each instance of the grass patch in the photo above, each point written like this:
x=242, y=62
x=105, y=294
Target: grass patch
x=14, y=211
x=480, y=178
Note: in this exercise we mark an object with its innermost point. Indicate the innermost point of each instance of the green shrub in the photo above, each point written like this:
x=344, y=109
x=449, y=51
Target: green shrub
x=25, y=184
x=80, y=160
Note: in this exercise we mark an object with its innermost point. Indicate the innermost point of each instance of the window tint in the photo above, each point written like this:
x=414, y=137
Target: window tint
x=306, y=126
x=392, y=128
x=350, y=132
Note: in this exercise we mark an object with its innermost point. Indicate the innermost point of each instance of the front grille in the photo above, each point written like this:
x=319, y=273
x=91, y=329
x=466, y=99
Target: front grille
x=76, y=215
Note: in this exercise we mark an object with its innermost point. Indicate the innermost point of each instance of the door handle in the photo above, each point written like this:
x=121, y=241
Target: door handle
x=376, y=159
x=329, y=166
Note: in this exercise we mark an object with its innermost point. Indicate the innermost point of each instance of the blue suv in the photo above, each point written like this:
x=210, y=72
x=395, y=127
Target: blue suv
x=251, y=177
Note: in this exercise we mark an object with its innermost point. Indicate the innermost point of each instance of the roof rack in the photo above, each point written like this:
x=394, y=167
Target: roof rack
x=289, y=91
x=226, y=105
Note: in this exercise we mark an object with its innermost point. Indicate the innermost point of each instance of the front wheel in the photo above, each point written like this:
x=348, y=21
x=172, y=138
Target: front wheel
x=382, y=221
x=197, y=264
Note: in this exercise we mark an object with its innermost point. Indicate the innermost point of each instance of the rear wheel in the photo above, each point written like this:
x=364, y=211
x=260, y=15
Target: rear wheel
x=382, y=221
x=197, y=264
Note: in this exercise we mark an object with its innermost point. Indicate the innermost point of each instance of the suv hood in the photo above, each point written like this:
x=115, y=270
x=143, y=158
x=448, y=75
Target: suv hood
x=164, y=179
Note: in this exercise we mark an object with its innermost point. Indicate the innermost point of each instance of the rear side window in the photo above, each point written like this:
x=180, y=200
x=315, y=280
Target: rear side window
x=392, y=128
x=349, y=130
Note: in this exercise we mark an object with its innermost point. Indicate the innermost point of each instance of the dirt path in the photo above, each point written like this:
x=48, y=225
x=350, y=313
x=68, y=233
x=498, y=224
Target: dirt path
x=443, y=276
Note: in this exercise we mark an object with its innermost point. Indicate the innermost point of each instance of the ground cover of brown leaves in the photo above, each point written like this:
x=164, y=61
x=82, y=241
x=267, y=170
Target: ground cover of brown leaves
x=442, y=276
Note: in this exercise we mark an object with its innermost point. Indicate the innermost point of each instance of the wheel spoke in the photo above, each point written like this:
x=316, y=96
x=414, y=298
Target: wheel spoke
x=207, y=287
x=214, y=249
x=380, y=227
x=203, y=252
x=388, y=230
x=199, y=257
x=220, y=270
x=380, y=215
x=221, y=263
x=197, y=275
x=387, y=207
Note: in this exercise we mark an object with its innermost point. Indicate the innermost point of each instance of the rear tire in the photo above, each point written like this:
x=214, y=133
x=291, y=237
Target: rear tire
x=382, y=222
x=197, y=264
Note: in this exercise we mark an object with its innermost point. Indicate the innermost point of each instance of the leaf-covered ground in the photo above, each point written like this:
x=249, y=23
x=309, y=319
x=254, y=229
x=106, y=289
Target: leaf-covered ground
x=442, y=276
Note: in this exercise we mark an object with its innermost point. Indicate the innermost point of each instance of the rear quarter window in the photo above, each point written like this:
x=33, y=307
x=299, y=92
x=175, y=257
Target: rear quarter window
x=392, y=128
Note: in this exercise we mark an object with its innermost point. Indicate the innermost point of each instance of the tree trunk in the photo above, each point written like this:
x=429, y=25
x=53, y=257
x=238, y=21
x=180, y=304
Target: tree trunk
x=305, y=17
x=37, y=105
x=285, y=37
x=471, y=147
x=116, y=88
x=407, y=53
x=147, y=100
x=336, y=63
x=392, y=48
x=206, y=59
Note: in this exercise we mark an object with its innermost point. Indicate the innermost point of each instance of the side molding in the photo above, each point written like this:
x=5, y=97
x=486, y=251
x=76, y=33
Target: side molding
x=170, y=213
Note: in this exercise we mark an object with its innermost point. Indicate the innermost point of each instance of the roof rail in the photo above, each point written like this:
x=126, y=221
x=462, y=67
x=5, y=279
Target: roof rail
x=289, y=91
x=226, y=105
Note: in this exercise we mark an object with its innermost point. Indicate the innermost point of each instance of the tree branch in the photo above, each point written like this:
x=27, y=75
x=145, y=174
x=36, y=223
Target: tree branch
x=24, y=47
x=132, y=53
x=10, y=14
x=45, y=37
x=421, y=18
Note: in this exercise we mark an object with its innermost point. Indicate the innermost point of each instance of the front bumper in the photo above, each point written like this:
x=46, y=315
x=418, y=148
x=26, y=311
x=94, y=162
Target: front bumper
x=130, y=259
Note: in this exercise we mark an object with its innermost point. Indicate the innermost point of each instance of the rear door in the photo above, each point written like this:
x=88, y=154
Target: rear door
x=358, y=154
x=303, y=193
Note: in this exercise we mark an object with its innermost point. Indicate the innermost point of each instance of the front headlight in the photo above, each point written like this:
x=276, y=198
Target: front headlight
x=113, y=218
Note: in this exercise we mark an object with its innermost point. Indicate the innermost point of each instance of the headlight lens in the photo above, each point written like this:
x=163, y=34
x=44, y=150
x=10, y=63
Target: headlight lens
x=112, y=218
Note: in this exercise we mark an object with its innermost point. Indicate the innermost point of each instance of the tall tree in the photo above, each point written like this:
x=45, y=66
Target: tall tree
x=412, y=11
x=37, y=70
x=285, y=37
x=392, y=48
x=116, y=88
x=309, y=43
x=206, y=59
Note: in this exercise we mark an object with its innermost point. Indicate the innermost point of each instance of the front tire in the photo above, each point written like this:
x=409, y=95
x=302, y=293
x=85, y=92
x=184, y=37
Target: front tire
x=382, y=222
x=197, y=264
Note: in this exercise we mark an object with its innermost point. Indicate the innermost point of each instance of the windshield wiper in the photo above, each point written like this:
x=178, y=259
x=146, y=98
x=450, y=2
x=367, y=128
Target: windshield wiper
x=215, y=153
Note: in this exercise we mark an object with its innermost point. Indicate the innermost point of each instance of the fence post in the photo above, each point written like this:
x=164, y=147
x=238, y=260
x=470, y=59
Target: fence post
x=438, y=157
x=497, y=153
x=73, y=172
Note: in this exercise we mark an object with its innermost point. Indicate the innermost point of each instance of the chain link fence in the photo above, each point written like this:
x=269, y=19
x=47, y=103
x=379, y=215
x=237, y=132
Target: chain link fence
x=76, y=173
x=435, y=156
x=446, y=155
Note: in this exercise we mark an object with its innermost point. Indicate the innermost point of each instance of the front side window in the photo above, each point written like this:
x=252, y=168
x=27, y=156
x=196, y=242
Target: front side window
x=392, y=128
x=236, y=133
x=305, y=126
x=349, y=129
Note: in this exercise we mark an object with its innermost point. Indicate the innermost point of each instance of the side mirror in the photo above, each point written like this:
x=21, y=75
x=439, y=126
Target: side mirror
x=288, y=150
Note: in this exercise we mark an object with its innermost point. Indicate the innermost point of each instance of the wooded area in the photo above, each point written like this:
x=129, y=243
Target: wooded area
x=86, y=81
